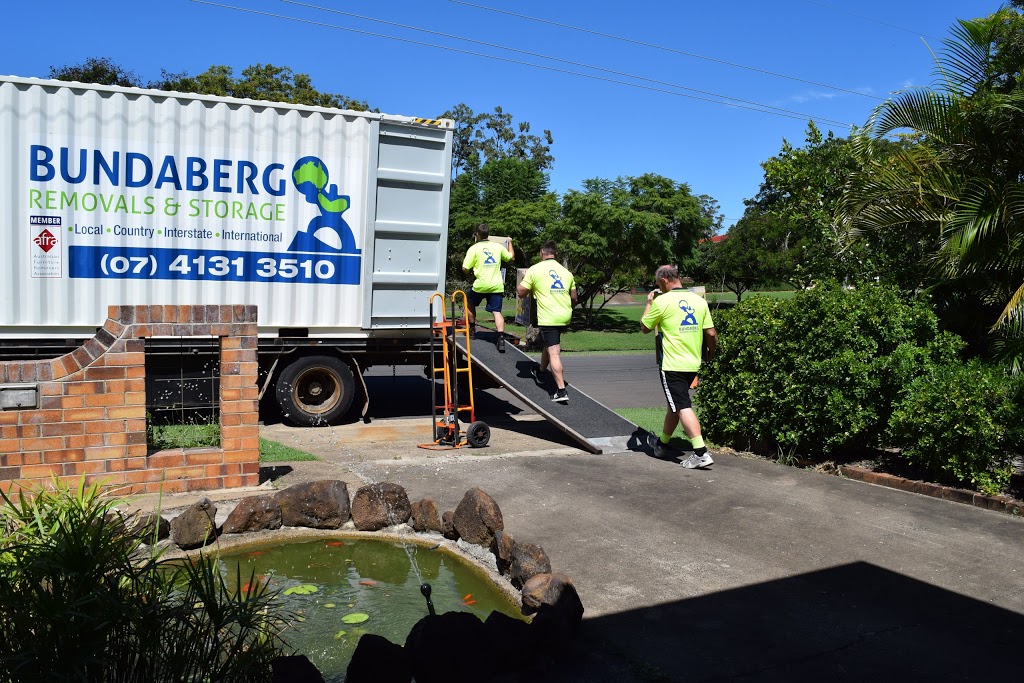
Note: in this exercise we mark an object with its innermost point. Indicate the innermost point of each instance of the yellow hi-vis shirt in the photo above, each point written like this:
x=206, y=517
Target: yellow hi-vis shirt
x=681, y=317
x=551, y=285
x=485, y=259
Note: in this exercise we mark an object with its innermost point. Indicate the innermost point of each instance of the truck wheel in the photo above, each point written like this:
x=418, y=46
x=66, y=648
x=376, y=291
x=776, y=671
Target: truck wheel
x=315, y=390
x=478, y=434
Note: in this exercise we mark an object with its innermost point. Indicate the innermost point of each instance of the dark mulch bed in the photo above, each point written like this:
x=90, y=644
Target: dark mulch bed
x=889, y=462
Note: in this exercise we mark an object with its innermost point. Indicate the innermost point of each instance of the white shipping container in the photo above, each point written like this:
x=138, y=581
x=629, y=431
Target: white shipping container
x=327, y=220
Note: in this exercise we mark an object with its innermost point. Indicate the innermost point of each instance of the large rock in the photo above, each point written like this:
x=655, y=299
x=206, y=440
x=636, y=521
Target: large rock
x=255, y=513
x=558, y=611
x=448, y=647
x=196, y=526
x=502, y=546
x=145, y=527
x=425, y=516
x=448, y=529
x=376, y=506
x=294, y=669
x=378, y=660
x=477, y=517
x=315, y=504
x=150, y=526
x=528, y=560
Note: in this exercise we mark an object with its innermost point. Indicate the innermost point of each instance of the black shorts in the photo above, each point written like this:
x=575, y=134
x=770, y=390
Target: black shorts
x=677, y=389
x=551, y=335
x=493, y=300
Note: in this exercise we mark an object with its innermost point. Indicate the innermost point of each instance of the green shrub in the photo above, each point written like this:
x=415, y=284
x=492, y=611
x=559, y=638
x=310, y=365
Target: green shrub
x=819, y=372
x=961, y=422
x=83, y=601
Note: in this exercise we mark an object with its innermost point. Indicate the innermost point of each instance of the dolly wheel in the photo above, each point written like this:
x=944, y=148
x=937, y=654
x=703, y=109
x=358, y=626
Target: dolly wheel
x=478, y=434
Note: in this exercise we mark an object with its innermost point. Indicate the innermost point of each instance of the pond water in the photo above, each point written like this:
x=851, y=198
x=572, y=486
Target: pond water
x=371, y=583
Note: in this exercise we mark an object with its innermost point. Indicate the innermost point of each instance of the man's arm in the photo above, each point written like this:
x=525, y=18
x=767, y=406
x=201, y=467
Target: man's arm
x=523, y=288
x=511, y=250
x=647, y=309
x=710, y=341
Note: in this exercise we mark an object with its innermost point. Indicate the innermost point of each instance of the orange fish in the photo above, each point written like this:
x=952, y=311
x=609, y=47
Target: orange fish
x=467, y=603
x=368, y=582
x=256, y=553
x=246, y=588
x=335, y=544
x=467, y=596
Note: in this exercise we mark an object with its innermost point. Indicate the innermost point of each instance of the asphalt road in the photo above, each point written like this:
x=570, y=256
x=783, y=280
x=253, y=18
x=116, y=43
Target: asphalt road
x=616, y=381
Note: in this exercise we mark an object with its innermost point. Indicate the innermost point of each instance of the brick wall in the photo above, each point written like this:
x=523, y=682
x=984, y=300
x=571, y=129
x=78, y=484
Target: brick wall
x=91, y=419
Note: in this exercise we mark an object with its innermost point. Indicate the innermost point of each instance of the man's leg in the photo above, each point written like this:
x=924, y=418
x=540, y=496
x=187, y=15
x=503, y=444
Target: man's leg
x=499, y=322
x=554, y=360
x=691, y=425
x=669, y=425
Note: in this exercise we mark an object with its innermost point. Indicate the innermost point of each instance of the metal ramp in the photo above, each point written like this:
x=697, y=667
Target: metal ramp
x=595, y=427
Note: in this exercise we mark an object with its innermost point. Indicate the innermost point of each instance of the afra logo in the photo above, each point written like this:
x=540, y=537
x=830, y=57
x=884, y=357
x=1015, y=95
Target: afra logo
x=328, y=232
x=45, y=241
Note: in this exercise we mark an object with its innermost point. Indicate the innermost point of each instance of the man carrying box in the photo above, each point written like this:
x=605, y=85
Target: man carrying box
x=483, y=260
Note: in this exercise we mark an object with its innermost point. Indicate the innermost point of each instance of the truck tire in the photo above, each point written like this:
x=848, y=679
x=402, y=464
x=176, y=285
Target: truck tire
x=313, y=391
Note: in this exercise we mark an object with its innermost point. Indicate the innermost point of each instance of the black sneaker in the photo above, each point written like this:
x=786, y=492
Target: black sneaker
x=500, y=343
x=472, y=331
x=560, y=396
x=539, y=376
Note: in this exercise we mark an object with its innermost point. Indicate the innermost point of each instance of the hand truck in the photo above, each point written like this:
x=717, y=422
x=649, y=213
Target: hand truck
x=445, y=415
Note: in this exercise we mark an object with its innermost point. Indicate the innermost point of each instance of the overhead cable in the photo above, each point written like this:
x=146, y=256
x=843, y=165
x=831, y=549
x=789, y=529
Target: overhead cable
x=764, y=109
x=667, y=49
x=548, y=57
x=871, y=19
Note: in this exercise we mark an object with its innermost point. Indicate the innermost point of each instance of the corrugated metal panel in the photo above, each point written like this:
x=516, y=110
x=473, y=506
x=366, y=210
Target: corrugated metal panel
x=410, y=226
x=122, y=196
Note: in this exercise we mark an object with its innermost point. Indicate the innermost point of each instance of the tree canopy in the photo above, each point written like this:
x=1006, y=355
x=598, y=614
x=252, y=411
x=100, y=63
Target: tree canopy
x=959, y=184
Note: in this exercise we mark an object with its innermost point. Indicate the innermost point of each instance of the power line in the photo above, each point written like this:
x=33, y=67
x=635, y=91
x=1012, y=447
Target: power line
x=666, y=49
x=871, y=19
x=759, y=108
x=553, y=59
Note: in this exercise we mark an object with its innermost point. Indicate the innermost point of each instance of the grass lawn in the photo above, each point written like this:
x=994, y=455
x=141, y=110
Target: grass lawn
x=616, y=328
x=272, y=451
x=652, y=420
x=208, y=436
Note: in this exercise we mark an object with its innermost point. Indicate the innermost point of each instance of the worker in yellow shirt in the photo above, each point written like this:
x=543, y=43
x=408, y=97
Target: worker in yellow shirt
x=686, y=337
x=554, y=291
x=483, y=260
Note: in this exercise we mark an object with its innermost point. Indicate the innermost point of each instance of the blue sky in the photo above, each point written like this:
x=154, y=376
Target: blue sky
x=601, y=128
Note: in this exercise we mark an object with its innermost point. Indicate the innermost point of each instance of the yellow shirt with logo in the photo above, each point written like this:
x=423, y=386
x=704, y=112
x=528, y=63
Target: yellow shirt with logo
x=551, y=285
x=681, y=317
x=485, y=259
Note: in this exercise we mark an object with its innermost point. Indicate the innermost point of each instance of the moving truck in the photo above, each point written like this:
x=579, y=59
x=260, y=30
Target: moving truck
x=332, y=222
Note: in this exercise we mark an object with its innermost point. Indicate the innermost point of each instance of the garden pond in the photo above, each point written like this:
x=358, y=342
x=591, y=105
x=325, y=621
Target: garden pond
x=339, y=589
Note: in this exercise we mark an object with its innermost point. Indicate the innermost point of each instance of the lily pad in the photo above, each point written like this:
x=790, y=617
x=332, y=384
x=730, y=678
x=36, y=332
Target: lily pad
x=355, y=618
x=339, y=635
x=303, y=589
x=330, y=605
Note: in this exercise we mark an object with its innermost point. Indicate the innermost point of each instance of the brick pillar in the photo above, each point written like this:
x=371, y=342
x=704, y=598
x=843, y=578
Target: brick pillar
x=91, y=419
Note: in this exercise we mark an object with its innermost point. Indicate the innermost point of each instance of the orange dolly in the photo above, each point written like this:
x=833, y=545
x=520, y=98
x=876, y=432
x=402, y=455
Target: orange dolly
x=445, y=415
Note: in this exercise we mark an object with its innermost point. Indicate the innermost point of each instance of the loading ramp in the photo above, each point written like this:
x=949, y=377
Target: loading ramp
x=591, y=424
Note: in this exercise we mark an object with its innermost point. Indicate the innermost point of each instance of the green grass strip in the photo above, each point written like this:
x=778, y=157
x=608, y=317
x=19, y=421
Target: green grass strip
x=272, y=451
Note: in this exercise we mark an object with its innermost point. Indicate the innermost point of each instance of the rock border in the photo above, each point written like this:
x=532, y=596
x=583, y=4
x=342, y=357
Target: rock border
x=979, y=500
x=324, y=509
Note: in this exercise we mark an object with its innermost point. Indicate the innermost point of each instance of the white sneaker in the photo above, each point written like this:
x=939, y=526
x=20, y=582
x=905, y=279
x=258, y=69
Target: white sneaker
x=697, y=461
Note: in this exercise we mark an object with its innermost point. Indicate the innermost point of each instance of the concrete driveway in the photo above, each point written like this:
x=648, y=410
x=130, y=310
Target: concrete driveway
x=748, y=571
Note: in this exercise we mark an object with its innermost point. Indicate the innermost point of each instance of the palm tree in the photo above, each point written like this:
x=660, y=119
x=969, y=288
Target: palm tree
x=955, y=181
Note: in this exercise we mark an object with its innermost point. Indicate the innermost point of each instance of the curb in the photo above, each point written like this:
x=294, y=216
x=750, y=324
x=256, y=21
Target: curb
x=978, y=500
